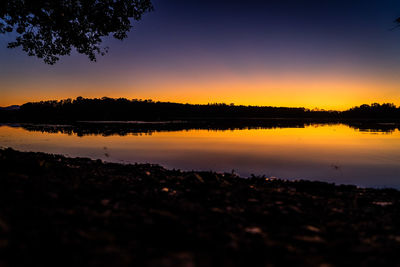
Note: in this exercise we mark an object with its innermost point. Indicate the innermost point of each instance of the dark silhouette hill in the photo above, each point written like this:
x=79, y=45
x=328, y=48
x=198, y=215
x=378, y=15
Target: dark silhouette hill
x=13, y=107
x=108, y=109
x=121, y=109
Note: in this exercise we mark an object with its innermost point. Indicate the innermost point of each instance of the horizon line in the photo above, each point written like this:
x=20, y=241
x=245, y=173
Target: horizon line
x=200, y=104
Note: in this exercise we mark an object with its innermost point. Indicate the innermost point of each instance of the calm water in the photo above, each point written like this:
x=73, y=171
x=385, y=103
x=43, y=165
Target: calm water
x=334, y=153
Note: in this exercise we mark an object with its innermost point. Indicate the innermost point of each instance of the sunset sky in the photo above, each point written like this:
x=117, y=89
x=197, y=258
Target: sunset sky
x=331, y=54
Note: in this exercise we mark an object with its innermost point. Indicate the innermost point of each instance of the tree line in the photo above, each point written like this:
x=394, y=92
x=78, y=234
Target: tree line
x=122, y=109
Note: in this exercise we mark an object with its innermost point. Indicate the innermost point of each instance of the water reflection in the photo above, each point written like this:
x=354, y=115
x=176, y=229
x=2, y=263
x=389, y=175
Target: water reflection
x=125, y=128
x=351, y=154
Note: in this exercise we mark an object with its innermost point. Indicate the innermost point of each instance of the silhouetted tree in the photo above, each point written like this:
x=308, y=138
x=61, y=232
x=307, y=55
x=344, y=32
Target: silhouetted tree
x=51, y=28
x=121, y=109
x=373, y=111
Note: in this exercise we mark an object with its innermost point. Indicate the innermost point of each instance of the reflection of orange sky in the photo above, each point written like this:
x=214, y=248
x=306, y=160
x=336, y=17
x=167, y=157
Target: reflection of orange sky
x=316, y=143
x=317, y=137
x=339, y=92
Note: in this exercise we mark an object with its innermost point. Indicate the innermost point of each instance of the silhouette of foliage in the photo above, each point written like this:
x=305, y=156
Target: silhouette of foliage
x=397, y=23
x=373, y=111
x=51, y=28
x=108, y=109
x=121, y=109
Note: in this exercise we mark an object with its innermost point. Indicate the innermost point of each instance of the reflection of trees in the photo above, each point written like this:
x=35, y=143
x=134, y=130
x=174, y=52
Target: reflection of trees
x=375, y=127
x=104, y=129
x=217, y=125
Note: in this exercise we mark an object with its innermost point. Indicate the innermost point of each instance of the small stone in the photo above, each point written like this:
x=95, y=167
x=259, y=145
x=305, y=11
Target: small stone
x=253, y=230
x=218, y=210
x=313, y=229
x=199, y=178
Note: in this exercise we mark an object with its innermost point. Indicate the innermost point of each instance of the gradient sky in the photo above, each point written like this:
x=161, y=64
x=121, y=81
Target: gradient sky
x=330, y=54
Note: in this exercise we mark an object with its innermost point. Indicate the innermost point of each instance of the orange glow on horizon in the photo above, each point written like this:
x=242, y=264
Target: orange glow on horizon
x=290, y=90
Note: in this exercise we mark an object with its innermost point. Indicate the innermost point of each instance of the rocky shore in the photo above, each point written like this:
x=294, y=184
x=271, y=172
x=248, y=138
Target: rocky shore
x=62, y=211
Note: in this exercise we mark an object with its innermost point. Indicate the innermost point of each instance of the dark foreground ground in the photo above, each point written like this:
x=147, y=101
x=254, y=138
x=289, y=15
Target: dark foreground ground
x=77, y=212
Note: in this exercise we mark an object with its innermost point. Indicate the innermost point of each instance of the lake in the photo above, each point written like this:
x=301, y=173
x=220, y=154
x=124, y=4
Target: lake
x=326, y=152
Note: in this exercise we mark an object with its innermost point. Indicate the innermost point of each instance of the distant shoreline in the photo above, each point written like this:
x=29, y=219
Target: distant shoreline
x=109, y=109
